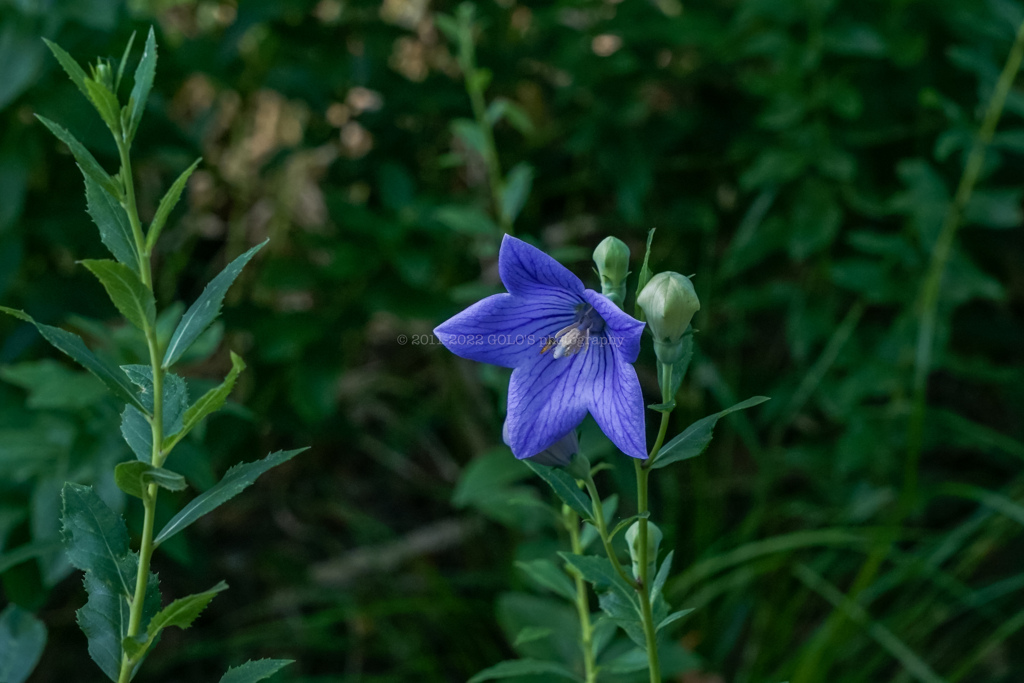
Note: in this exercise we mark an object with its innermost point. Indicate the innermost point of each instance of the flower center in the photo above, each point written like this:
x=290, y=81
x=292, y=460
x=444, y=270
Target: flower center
x=575, y=336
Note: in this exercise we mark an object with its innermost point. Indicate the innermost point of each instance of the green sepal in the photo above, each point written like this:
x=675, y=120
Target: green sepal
x=167, y=204
x=644, y=277
x=132, y=298
x=236, y=480
x=180, y=613
x=134, y=477
x=565, y=488
x=697, y=436
x=206, y=308
x=86, y=161
x=144, y=74
x=73, y=346
x=210, y=402
x=255, y=670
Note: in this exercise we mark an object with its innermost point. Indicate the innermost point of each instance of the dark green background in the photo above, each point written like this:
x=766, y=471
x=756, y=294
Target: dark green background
x=798, y=156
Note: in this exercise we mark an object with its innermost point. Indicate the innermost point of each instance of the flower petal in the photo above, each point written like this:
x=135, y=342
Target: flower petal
x=527, y=270
x=616, y=401
x=624, y=331
x=507, y=330
x=546, y=399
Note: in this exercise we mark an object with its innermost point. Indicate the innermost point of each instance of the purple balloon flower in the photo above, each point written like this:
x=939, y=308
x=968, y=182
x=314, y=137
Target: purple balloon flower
x=571, y=348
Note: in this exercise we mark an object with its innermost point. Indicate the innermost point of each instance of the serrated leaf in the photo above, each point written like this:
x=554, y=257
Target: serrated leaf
x=697, y=436
x=180, y=613
x=564, y=487
x=167, y=204
x=624, y=614
x=106, y=104
x=253, y=671
x=112, y=222
x=22, y=639
x=206, y=308
x=144, y=74
x=86, y=161
x=517, y=189
x=546, y=575
x=73, y=346
x=70, y=66
x=137, y=433
x=133, y=477
x=522, y=667
x=124, y=60
x=210, y=402
x=600, y=572
x=175, y=394
x=126, y=291
x=645, y=276
x=237, y=479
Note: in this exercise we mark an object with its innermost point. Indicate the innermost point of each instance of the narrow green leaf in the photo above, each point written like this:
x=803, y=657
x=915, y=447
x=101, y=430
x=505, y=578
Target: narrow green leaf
x=73, y=346
x=546, y=575
x=180, y=613
x=70, y=66
x=599, y=571
x=112, y=221
x=167, y=204
x=523, y=667
x=135, y=426
x=22, y=639
x=237, y=479
x=133, y=477
x=86, y=161
x=29, y=551
x=564, y=487
x=137, y=433
x=144, y=74
x=206, y=308
x=126, y=291
x=645, y=275
x=531, y=633
x=697, y=436
x=124, y=60
x=256, y=670
x=106, y=104
x=672, y=618
x=625, y=614
x=469, y=132
x=662, y=575
x=210, y=402
x=517, y=190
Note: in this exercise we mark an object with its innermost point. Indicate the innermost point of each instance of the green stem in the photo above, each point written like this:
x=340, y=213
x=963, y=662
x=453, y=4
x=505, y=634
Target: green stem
x=929, y=301
x=156, y=422
x=572, y=525
x=602, y=529
x=642, y=586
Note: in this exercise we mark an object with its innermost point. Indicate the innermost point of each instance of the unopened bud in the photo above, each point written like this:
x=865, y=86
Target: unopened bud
x=612, y=260
x=669, y=302
x=654, y=537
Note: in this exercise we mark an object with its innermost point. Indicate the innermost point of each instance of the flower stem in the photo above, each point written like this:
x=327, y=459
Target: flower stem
x=602, y=530
x=156, y=420
x=572, y=525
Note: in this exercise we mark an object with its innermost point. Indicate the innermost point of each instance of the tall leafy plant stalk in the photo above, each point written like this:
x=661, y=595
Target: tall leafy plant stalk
x=508, y=193
x=123, y=617
x=809, y=667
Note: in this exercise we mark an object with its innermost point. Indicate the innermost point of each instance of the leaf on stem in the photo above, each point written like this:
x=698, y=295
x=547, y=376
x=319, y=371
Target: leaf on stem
x=565, y=488
x=114, y=226
x=180, y=613
x=106, y=105
x=124, y=60
x=132, y=298
x=144, y=74
x=256, y=670
x=645, y=275
x=22, y=639
x=523, y=667
x=167, y=204
x=697, y=436
x=210, y=402
x=545, y=574
x=206, y=308
x=70, y=66
x=517, y=189
x=237, y=479
x=135, y=427
x=86, y=161
x=134, y=477
x=73, y=346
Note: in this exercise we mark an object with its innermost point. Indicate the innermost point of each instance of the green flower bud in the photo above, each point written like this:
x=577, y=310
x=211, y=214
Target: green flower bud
x=669, y=302
x=612, y=259
x=103, y=74
x=654, y=537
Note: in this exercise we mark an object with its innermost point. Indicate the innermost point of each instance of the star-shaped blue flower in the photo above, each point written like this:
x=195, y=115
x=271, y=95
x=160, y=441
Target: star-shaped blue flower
x=571, y=348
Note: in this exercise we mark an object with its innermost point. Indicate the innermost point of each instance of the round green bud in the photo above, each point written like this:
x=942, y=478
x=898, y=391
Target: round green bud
x=654, y=537
x=612, y=260
x=669, y=302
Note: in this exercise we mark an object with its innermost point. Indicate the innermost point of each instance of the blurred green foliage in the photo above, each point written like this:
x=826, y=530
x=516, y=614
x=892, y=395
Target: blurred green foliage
x=799, y=156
